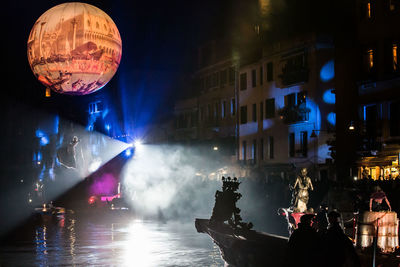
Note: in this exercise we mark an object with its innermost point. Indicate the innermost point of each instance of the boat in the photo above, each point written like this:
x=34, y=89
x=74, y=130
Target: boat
x=49, y=212
x=245, y=248
x=241, y=246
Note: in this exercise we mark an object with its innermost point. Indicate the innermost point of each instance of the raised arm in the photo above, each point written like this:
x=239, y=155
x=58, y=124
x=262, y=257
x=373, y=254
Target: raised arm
x=387, y=202
x=370, y=204
x=310, y=183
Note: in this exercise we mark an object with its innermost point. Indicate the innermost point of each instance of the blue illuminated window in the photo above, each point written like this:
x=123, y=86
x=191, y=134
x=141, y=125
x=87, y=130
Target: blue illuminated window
x=95, y=107
x=233, y=105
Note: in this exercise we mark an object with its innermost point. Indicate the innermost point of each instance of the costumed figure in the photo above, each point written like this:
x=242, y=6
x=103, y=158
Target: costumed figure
x=376, y=200
x=302, y=185
x=67, y=155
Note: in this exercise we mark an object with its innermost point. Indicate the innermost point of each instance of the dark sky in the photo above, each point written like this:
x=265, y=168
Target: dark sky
x=159, y=41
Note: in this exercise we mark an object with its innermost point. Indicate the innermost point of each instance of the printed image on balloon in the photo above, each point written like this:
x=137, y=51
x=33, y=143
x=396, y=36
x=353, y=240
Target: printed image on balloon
x=74, y=48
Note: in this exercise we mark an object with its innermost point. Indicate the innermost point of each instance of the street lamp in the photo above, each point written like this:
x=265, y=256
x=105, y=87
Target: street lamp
x=351, y=127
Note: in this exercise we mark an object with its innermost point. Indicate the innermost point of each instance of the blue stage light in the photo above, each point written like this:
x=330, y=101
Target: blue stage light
x=327, y=72
x=129, y=152
x=331, y=118
x=329, y=97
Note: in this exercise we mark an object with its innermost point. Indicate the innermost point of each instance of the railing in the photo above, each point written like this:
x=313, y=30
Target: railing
x=290, y=77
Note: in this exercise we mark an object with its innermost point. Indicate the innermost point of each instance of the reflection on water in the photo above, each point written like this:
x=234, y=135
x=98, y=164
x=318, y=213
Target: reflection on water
x=72, y=242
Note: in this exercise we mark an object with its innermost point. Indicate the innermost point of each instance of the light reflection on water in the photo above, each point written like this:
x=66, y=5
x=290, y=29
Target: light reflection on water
x=130, y=243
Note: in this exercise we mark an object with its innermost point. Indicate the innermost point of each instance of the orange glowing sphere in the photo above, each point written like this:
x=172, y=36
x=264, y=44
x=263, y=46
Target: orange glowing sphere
x=74, y=48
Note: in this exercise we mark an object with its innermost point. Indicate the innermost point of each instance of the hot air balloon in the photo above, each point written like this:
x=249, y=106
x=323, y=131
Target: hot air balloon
x=74, y=48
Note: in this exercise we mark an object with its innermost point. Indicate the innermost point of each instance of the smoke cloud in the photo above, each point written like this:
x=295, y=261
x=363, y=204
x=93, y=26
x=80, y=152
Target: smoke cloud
x=170, y=181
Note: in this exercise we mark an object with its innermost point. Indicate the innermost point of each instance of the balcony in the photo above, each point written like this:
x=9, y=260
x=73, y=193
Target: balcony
x=291, y=76
x=374, y=86
x=294, y=114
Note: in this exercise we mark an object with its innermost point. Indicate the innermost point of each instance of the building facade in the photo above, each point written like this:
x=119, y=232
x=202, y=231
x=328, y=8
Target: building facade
x=286, y=109
x=378, y=87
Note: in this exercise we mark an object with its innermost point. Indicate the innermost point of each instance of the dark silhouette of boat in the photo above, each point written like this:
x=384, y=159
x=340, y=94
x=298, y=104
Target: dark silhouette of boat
x=241, y=246
x=247, y=247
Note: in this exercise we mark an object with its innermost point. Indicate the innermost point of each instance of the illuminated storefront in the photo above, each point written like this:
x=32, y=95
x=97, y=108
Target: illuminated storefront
x=374, y=168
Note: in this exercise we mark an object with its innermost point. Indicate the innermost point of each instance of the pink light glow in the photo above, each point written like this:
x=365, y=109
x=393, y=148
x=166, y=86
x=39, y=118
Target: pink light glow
x=107, y=184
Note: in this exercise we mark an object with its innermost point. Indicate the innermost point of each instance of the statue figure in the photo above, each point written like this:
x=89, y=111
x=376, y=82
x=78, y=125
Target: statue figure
x=225, y=206
x=303, y=184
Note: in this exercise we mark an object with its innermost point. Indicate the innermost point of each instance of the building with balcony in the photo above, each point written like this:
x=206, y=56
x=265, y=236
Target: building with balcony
x=378, y=88
x=207, y=115
x=286, y=108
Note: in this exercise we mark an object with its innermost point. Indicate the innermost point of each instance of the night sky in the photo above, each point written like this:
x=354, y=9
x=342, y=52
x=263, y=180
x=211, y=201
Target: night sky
x=159, y=42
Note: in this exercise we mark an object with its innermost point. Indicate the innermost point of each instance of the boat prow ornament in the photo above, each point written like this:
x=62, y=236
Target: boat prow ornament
x=225, y=209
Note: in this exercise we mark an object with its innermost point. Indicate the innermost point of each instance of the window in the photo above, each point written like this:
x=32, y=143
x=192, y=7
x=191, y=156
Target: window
x=95, y=107
x=394, y=5
x=270, y=72
x=243, y=81
x=254, y=112
x=215, y=79
x=369, y=57
x=243, y=114
x=194, y=118
x=368, y=9
x=271, y=147
x=261, y=75
x=209, y=111
x=304, y=143
x=395, y=57
x=201, y=83
x=223, y=109
x=394, y=123
x=371, y=120
x=208, y=82
x=202, y=114
x=233, y=107
x=254, y=150
x=301, y=98
x=290, y=100
x=244, y=150
x=262, y=149
x=270, y=108
x=291, y=145
x=216, y=108
x=223, y=77
x=261, y=111
x=253, y=78
x=231, y=76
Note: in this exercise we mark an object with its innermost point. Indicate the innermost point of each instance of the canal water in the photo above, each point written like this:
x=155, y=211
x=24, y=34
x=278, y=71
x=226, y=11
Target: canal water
x=71, y=241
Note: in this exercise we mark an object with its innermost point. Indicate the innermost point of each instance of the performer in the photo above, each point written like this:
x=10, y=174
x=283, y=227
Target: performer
x=303, y=182
x=67, y=155
x=376, y=200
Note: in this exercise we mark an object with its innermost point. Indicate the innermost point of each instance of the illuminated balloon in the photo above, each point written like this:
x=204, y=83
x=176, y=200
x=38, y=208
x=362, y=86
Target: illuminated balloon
x=74, y=48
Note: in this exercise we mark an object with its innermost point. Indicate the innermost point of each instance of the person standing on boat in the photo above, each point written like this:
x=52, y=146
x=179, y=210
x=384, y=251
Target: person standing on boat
x=304, y=246
x=376, y=200
x=302, y=185
x=338, y=250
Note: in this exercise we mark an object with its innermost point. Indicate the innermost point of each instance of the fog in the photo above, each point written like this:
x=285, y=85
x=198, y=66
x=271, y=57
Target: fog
x=179, y=183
